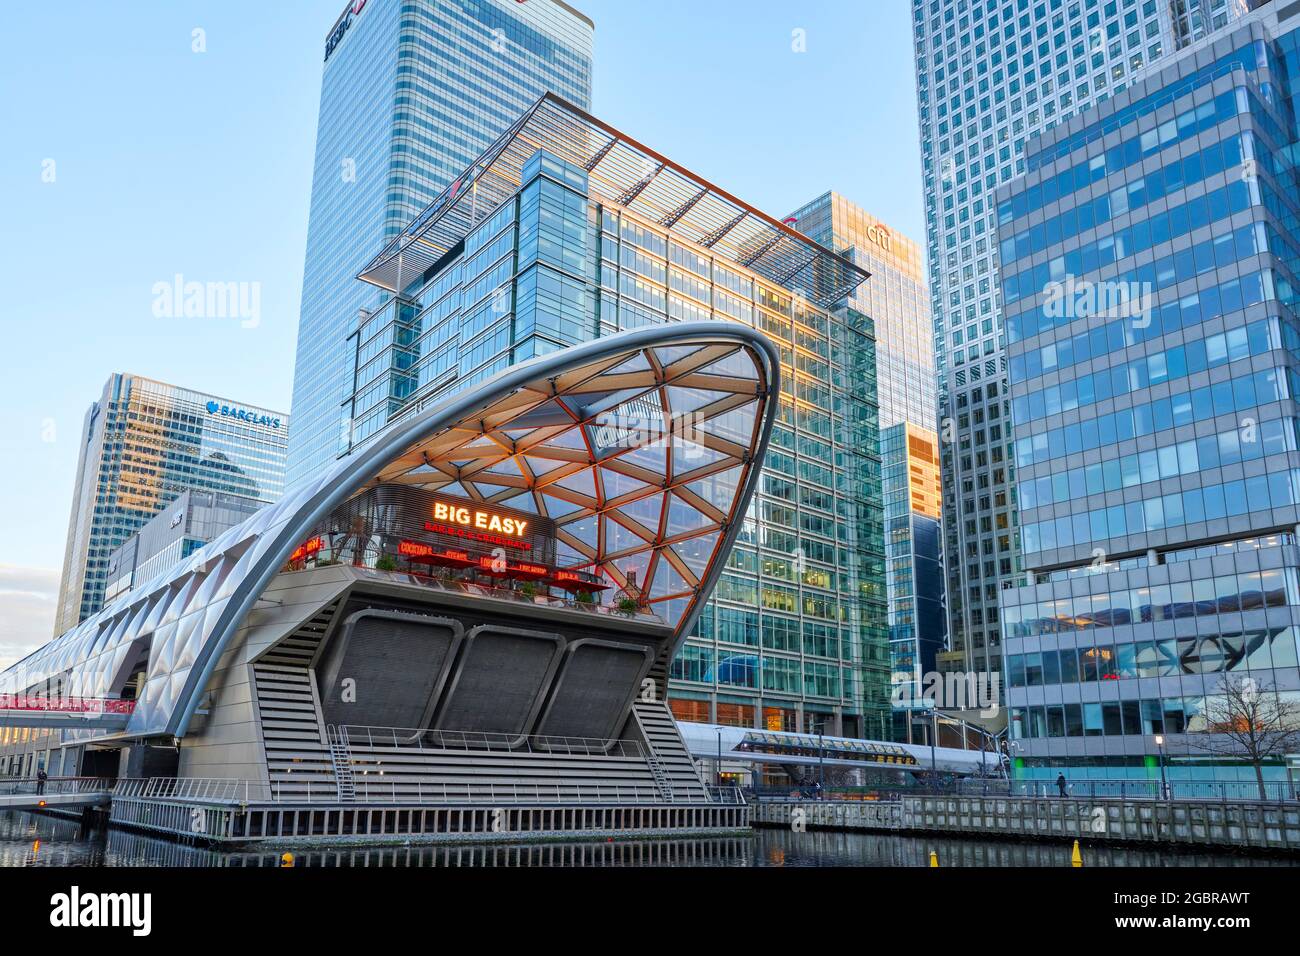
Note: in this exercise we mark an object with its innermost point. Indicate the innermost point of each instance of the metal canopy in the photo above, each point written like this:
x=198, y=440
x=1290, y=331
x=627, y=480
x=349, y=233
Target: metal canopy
x=644, y=448
x=622, y=172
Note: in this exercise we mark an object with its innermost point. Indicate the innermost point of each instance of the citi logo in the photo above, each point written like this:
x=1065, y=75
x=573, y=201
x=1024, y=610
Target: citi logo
x=77, y=909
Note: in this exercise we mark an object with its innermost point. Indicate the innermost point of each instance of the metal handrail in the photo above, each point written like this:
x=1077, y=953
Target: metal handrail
x=369, y=557
x=55, y=785
x=1180, y=791
x=230, y=791
x=361, y=735
x=1174, y=791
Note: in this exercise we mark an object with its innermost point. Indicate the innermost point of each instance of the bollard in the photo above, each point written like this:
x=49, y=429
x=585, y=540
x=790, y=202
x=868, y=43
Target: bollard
x=934, y=858
x=1076, y=858
x=286, y=860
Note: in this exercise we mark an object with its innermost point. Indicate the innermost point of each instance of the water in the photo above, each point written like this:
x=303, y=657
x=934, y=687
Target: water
x=28, y=839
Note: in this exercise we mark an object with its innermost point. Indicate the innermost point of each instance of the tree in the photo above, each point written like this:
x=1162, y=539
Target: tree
x=1251, y=722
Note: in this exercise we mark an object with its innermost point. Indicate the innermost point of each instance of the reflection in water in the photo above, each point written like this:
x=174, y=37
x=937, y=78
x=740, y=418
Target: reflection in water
x=31, y=840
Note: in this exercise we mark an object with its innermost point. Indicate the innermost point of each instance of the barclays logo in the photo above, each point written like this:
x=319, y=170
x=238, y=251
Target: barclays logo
x=243, y=415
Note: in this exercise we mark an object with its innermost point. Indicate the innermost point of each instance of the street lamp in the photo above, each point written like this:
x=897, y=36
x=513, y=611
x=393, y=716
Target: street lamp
x=934, y=758
x=719, y=766
x=1160, y=746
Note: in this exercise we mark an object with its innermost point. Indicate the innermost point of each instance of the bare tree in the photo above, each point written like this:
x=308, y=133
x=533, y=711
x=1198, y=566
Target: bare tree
x=1251, y=722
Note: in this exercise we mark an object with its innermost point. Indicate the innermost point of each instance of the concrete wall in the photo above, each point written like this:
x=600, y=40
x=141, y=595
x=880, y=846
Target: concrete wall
x=1203, y=823
x=1253, y=825
x=832, y=814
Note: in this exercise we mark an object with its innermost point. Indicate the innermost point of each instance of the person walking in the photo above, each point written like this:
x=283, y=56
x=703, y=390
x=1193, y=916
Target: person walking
x=41, y=777
x=1060, y=783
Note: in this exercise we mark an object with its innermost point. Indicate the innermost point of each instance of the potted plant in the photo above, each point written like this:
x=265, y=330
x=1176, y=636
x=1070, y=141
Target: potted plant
x=528, y=590
x=385, y=563
x=584, y=599
x=627, y=605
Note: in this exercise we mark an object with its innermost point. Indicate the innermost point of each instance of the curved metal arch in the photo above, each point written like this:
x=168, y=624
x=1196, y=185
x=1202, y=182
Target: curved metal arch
x=352, y=473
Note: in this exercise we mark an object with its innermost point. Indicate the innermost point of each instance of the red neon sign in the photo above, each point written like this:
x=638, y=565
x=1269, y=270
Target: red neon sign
x=307, y=549
x=418, y=549
x=486, y=537
x=414, y=549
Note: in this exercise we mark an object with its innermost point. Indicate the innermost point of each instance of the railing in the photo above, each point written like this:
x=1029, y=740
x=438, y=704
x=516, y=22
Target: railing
x=446, y=581
x=53, y=785
x=233, y=791
x=356, y=735
x=200, y=789
x=66, y=705
x=1275, y=791
x=1179, y=790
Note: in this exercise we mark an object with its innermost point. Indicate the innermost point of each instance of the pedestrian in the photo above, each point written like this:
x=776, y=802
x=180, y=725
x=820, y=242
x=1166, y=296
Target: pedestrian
x=41, y=777
x=1060, y=783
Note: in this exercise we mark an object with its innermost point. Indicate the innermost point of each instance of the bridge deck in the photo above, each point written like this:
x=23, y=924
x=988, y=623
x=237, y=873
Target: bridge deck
x=32, y=801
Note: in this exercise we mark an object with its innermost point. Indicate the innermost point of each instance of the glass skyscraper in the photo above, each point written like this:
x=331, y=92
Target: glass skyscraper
x=568, y=230
x=1148, y=275
x=143, y=444
x=991, y=74
x=897, y=302
x=411, y=92
x=914, y=565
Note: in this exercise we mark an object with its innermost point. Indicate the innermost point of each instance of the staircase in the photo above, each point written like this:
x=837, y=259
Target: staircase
x=670, y=762
x=342, y=759
x=298, y=758
x=661, y=778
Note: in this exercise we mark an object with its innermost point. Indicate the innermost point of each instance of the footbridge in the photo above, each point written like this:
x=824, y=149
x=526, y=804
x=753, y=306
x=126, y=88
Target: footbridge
x=782, y=748
x=27, y=793
x=64, y=713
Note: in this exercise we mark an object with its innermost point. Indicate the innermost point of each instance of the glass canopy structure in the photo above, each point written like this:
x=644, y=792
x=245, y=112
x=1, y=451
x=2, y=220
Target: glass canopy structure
x=626, y=173
x=642, y=448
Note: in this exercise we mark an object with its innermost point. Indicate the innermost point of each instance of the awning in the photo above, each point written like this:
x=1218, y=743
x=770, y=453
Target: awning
x=622, y=172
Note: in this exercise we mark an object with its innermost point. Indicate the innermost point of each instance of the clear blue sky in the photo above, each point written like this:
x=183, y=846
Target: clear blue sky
x=168, y=161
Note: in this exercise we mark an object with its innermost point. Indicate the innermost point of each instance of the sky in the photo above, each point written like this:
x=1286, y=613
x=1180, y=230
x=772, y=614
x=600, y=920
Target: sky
x=148, y=140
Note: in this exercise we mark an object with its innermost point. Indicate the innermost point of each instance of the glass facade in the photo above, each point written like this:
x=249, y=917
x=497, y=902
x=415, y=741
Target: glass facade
x=913, y=562
x=895, y=298
x=1153, y=382
x=142, y=445
x=897, y=302
x=992, y=74
x=184, y=526
x=411, y=92
x=795, y=633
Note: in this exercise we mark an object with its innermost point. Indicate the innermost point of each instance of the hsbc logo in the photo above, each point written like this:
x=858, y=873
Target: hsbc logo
x=341, y=27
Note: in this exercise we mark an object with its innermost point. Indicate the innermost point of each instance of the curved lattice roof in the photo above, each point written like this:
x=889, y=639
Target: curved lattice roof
x=643, y=447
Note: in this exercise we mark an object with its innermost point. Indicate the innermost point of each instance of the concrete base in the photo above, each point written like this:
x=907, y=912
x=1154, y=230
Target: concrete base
x=1260, y=826
x=323, y=824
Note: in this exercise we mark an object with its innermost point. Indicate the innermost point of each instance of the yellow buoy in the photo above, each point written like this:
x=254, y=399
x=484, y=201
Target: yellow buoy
x=286, y=859
x=1076, y=859
x=934, y=858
